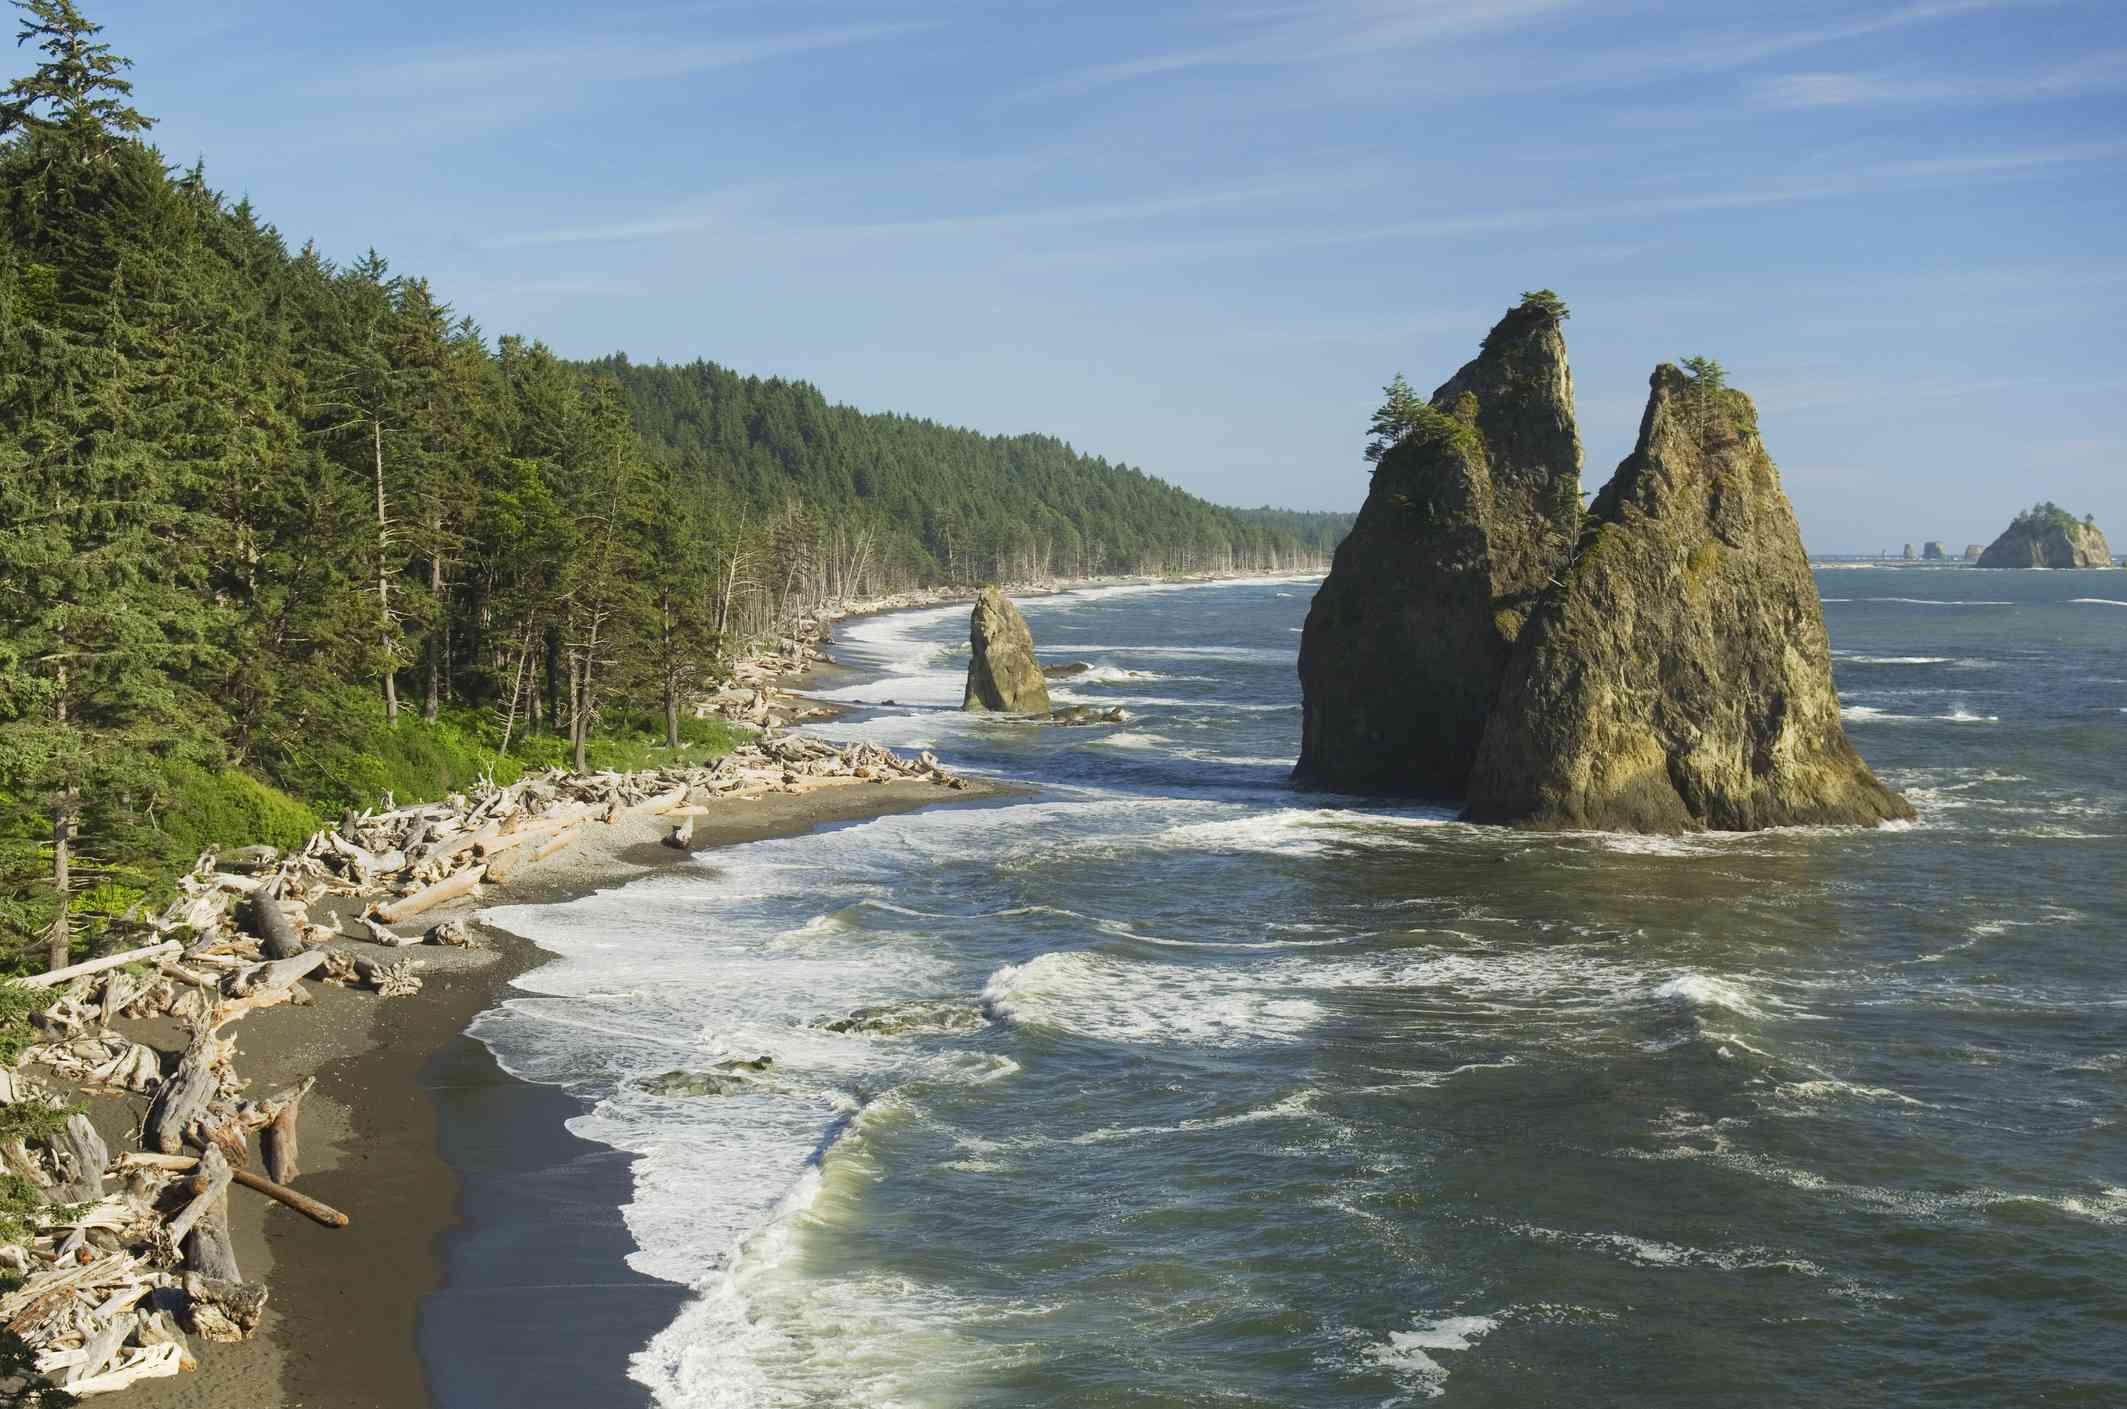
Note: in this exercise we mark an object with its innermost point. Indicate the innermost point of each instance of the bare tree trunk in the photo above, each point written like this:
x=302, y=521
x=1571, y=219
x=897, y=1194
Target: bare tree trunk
x=432, y=705
x=509, y=723
x=391, y=684
x=664, y=602
x=59, y=939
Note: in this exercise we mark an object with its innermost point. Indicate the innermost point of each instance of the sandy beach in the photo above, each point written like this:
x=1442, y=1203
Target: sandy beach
x=484, y=1261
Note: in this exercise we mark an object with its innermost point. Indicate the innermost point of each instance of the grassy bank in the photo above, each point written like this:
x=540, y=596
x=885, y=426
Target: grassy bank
x=188, y=807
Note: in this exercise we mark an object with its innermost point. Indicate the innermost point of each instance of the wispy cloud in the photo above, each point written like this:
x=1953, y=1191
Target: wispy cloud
x=1311, y=34
x=567, y=61
x=2096, y=73
x=1868, y=179
x=711, y=212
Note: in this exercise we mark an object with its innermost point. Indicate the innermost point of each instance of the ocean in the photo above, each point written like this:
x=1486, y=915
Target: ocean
x=1174, y=1087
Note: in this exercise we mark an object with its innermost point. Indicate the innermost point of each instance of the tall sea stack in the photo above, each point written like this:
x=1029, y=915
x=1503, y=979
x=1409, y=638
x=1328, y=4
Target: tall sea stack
x=1003, y=675
x=1679, y=676
x=1469, y=515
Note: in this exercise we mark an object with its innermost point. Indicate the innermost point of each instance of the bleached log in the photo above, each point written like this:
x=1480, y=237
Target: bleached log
x=183, y=1098
x=379, y=934
x=109, y=961
x=170, y=968
x=85, y=1156
x=210, y=1184
x=524, y=832
x=449, y=888
x=149, y=1362
x=278, y=974
x=310, y=1208
x=662, y=802
x=98, y=1351
x=557, y=843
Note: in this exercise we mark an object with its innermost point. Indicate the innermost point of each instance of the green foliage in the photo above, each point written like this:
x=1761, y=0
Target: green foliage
x=227, y=807
x=2047, y=517
x=1547, y=303
x=1401, y=412
x=1317, y=531
x=1705, y=373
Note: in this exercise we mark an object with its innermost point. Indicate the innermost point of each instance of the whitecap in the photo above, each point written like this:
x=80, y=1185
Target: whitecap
x=1141, y=1002
x=2098, y=601
x=1406, y=1353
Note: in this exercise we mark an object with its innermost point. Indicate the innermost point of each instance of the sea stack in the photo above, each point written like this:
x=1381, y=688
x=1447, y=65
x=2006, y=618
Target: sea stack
x=1679, y=677
x=2048, y=536
x=1003, y=677
x=1472, y=512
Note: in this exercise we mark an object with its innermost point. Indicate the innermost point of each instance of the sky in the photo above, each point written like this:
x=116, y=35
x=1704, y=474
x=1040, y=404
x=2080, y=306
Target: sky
x=1199, y=238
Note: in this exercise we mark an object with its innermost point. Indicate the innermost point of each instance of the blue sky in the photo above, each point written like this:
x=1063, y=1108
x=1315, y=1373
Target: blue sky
x=1200, y=237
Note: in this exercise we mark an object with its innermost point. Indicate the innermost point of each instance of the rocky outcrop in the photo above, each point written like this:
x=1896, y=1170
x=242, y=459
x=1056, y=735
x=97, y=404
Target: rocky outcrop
x=2048, y=536
x=1003, y=677
x=1472, y=512
x=1678, y=676
x=1973, y=552
x=1931, y=552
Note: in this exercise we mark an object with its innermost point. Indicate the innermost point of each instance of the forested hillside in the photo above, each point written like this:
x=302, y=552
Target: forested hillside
x=279, y=533
x=884, y=501
x=1317, y=531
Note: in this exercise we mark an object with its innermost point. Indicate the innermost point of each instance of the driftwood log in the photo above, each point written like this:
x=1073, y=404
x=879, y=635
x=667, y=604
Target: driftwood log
x=184, y=1097
x=209, y=1186
x=278, y=1142
x=84, y=1155
x=310, y=1208
x=277, y=934
x=449, y=888
x=169, y=948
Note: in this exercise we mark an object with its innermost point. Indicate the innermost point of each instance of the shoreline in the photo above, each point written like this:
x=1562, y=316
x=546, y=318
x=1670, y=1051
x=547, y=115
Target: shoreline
x=417, y=1133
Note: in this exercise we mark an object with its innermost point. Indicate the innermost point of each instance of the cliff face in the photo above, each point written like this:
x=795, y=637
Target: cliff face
x=1468, y=516
x=1679, y=677
x=1003, y=677
x=2050, y=542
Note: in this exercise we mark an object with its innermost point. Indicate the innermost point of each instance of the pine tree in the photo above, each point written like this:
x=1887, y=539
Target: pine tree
x=1398, y=415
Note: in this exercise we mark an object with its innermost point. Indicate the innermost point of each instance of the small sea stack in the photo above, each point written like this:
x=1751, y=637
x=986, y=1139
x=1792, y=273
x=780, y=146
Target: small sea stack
x=1003, y=677
x=1678, y=677
x=1472, y=510
x=2048, y=536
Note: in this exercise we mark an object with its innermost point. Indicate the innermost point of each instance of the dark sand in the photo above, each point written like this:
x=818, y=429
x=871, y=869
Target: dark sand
x=484, y=1264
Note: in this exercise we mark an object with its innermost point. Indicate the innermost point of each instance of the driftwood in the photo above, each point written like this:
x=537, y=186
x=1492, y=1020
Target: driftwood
x=278, y=974
x=223, y=1308
x=208, y=1186
x=682, y=836
x=278, y=1143
x=85, y=1156
x=302, y=1203
x=184, y=1097
x=278, y=935
x=450, y=888
x=96, y=966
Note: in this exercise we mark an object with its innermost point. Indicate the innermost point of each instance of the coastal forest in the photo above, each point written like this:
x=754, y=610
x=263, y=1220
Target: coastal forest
x=280, y=533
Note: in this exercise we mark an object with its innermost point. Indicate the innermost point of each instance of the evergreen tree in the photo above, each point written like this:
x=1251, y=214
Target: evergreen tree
x=1399, y=414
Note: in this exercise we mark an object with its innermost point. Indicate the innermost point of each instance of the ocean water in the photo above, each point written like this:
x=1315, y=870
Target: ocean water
x=1203, y=1092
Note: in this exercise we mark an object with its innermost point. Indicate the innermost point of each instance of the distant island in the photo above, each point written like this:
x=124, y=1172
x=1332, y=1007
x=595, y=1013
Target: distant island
x=2048, y=536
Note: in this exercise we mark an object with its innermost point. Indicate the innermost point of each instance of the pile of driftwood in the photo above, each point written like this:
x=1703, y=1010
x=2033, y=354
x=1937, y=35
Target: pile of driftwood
x=133, y=1251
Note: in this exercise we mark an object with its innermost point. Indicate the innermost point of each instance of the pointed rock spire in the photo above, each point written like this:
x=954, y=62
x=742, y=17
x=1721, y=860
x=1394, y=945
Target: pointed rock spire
x=1678, y=676
x=1472, y=512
